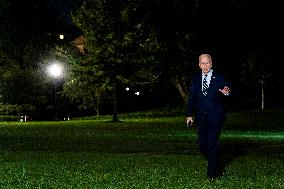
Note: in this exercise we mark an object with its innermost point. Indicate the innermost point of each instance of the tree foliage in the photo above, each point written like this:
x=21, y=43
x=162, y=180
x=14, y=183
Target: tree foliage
x=257, y=72
x=135, y=43
x=117, y=45
x=23, y=44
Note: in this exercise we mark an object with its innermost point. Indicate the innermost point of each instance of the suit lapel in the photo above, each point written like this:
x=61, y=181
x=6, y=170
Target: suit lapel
x=199, y=83
x=212, y=82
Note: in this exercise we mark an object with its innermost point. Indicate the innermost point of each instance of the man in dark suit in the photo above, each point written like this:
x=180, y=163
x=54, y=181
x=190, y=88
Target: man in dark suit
x=206, y=100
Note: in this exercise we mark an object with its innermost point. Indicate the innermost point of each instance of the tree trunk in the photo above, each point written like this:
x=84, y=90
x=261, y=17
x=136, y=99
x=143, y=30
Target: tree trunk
x=181, y=90
x=98, y=101
x=262, y=94
x=114, y=98
x=98, y=108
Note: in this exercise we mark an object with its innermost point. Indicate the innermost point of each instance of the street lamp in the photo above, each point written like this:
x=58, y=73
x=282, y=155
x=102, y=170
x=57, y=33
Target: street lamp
x=61, y=36
x=56, y=71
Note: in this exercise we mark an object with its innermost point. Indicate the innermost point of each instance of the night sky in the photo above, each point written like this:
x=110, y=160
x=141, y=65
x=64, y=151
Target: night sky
x=64, y=8
x=233, y=33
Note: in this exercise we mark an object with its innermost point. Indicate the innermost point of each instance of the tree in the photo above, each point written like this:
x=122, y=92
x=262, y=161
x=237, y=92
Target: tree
x=23, y=44
x=173, y=42
x=176, y=58
x=258, y=69
x=83, y=86
x=115, y=45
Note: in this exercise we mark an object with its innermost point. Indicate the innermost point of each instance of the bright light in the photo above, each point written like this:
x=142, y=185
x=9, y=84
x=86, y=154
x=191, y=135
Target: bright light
x=127, y=89
x=61, y=36
x=137, y=93
x=55, y=70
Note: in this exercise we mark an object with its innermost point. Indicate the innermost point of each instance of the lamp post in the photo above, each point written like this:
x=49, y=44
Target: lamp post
x=56, y=71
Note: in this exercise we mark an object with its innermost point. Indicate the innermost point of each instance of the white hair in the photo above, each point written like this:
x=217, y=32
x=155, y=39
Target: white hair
x=207, y=56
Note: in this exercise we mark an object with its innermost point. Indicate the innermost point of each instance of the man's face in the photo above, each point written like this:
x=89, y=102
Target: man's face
x=205, y=64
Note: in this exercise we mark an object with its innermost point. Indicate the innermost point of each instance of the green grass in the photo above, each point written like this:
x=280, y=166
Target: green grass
x=139, y=152
x=106, y=170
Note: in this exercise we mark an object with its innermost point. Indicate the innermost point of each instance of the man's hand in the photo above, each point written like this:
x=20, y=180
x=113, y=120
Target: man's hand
x=225, y=90
x=189, y=121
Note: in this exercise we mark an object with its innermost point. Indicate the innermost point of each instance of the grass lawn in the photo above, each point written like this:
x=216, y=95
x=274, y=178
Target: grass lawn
x=139, y=153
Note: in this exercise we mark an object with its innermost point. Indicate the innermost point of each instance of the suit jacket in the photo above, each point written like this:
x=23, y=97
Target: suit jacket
x=212, y=105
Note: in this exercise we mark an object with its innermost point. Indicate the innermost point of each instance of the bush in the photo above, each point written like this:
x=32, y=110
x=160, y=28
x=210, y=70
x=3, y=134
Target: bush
x=9, y=118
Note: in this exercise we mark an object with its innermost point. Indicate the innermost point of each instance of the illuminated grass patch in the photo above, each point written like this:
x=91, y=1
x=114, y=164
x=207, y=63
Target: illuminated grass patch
x=254, y=135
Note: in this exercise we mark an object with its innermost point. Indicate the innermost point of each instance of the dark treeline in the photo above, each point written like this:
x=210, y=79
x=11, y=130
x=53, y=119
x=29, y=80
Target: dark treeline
x=150, y=47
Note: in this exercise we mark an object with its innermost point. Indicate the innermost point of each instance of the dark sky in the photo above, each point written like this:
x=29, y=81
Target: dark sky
x=232, y=33
x=64, y=8
x=42, y=14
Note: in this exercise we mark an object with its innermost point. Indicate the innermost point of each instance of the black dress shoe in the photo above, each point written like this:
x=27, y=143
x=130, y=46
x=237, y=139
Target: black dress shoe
x=221, y=170
x=217, y=175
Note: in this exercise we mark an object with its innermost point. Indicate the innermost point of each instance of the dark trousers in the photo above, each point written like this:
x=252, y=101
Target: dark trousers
x=208, y=141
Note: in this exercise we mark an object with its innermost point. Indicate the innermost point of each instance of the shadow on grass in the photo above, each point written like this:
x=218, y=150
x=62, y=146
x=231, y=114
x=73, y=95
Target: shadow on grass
x=234, y=149
x=230, y=148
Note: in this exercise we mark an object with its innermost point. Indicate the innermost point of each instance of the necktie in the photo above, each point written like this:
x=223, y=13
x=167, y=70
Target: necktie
x=204, y=86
